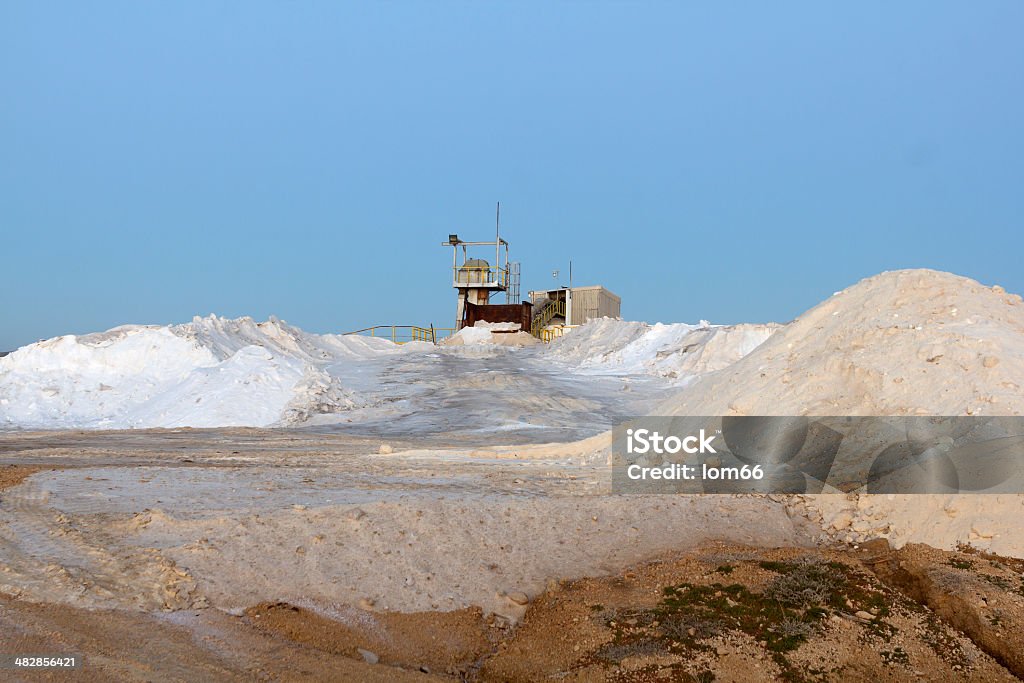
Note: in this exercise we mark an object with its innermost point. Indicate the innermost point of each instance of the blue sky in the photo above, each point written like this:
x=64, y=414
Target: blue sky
x=733, y=162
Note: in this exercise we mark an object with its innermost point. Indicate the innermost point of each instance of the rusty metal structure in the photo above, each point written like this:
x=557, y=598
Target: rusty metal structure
x=521, y=313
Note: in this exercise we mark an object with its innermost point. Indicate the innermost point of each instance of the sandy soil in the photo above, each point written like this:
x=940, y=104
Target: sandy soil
x=272, y=555
x=723, y=613
x=741, y=614
x=183, y=646
x=12, y=475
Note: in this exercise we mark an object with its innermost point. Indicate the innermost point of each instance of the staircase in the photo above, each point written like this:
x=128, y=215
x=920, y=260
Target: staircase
x=544, y=314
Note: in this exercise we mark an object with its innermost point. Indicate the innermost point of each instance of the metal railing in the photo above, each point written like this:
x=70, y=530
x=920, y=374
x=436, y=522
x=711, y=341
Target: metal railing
x=549, y=311
x=401, y=334
x=468, y=276
x=552, y=333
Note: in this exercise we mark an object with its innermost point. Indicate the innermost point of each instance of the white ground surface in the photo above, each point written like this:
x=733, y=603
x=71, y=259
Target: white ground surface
x=323, y=522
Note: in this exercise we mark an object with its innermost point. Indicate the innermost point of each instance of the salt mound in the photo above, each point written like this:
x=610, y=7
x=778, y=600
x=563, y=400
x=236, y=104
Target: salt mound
x=212, y=372
x=900, y=343
x=677, y=350
x=483, y=332
x=226, y=336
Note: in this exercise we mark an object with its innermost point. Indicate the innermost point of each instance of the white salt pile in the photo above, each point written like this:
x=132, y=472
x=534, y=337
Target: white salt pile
x=208, y=373
x=483, y=332
x=676, y=350
x=910, y=342
x=215, y=372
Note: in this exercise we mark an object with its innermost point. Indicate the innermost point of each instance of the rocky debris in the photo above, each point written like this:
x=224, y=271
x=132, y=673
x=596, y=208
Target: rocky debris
x=355, y=514
x=519, y=598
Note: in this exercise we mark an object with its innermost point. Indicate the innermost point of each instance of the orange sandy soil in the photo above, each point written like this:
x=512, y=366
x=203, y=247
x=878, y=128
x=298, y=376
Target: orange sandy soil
x=716, y=615
x=12, y=475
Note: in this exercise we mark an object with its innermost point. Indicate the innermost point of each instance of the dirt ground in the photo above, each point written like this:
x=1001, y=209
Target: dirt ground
x=12, y=475
x=208, y=645
x=741, y=614
x=91, y=545
x=724, y=613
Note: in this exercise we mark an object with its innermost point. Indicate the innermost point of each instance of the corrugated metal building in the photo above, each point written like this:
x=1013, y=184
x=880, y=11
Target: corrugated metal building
x=585, y=303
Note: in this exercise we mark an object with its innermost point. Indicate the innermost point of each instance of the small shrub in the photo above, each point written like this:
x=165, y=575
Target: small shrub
x=793, y=628
x=677, y=626
x=806, y=583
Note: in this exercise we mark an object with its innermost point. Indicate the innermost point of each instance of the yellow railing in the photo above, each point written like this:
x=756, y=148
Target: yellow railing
x=441, y=333
x=480, y=275
x=551, y=333
x=400, y=334
x=544, y=317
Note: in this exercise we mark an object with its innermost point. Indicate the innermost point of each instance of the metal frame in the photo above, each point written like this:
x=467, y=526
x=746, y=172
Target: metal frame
x=495, y=277
x=500, y=281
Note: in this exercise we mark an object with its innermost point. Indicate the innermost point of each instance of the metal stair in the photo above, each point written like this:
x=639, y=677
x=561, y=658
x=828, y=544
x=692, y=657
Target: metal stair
x=547, y=311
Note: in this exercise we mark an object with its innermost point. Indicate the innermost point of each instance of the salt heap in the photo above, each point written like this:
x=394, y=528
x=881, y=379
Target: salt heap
x=483, y=332
x=677, y=350
x=908, y=342
x=211, y=372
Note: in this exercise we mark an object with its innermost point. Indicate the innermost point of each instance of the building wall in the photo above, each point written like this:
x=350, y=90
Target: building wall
x=593, y=302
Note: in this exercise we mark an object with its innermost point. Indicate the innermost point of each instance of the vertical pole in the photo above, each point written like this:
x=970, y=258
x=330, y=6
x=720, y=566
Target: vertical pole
x=497, y=237
x=568, y=305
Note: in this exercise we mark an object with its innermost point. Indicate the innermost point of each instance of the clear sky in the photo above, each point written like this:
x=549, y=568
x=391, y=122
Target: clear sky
x=733, y=162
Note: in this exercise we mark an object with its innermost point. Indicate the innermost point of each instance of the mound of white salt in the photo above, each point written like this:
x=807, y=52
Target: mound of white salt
x=212, y=372
x=483, y=332
x=675, y=350
x=912, y=342
x=900, y=343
